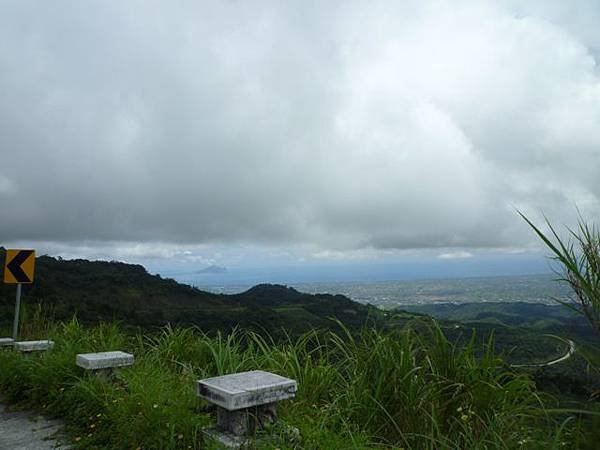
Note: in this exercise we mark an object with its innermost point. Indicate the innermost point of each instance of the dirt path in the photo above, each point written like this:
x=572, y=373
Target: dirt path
x=28, y=431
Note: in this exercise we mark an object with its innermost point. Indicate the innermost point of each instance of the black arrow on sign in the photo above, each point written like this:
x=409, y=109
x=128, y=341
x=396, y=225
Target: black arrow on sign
x=15, y=266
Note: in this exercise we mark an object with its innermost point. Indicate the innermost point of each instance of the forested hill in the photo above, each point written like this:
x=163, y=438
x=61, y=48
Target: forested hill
x=102, y=291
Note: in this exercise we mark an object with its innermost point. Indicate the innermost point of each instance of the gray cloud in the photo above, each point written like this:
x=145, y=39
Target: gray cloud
x=331, y=125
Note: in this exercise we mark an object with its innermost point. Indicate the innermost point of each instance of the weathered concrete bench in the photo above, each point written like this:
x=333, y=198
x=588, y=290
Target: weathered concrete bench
x=6, y=342
x=33, y=346
x=104, y=362
x=245, y=402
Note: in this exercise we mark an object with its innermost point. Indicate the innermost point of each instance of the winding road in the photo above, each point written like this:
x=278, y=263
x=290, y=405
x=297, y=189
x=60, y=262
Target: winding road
x=566, y=356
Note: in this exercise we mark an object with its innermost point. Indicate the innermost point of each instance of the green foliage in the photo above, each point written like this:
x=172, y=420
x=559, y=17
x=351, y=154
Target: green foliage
x=522, y=314
x=404, y=389
x=579, y=257
x=99, y=291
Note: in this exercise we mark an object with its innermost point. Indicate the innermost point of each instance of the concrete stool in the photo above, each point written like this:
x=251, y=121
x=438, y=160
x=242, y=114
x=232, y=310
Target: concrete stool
x=104, y=362
x=245, y=402
x=6, y=342
x=33, y=346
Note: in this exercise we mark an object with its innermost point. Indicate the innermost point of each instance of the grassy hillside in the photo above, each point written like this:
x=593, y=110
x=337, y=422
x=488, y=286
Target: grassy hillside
x=105, y=291
x=97, y=291
x=402, y=382
x=531, y=315
x=111, y=291
x=401, y=389
x=526, y=333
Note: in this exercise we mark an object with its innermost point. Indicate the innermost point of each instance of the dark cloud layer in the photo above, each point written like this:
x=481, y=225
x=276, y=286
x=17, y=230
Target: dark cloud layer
x=330, y=124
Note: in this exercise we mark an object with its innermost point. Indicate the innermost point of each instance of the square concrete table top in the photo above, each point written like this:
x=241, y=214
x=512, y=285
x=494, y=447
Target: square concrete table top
x=246, y=389
x=6, y=342
x=104, y=360
x=33, y=346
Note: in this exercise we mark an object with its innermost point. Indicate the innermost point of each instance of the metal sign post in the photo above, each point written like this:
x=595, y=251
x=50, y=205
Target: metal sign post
x=19, y=268
x=17, y=309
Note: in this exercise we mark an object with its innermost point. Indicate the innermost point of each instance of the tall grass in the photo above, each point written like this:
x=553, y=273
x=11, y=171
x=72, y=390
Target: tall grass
x=406, y=389
x=579, y=258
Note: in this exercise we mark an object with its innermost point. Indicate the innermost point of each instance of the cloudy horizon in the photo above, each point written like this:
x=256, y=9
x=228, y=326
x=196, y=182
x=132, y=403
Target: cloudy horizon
x=280, y=133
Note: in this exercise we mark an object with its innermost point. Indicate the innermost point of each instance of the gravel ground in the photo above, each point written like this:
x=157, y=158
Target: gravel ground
x=24, y=430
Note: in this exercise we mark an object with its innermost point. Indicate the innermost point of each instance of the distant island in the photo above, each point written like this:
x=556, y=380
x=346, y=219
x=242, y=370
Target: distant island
x=212, y=269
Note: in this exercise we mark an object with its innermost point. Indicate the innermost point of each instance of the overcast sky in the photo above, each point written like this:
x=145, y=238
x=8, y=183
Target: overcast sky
x=225, y=131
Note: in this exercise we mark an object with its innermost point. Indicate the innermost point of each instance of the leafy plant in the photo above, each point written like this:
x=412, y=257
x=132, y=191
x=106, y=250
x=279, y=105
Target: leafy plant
x=579, y=256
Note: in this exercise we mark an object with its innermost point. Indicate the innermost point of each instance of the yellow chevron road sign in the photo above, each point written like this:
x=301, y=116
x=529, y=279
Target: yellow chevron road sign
x=19, y=266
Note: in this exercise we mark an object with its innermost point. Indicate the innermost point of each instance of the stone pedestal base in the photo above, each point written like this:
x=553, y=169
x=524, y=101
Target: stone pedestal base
x=225, y=438
x=247, y=420
x=234, y=427
x=107, y=373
